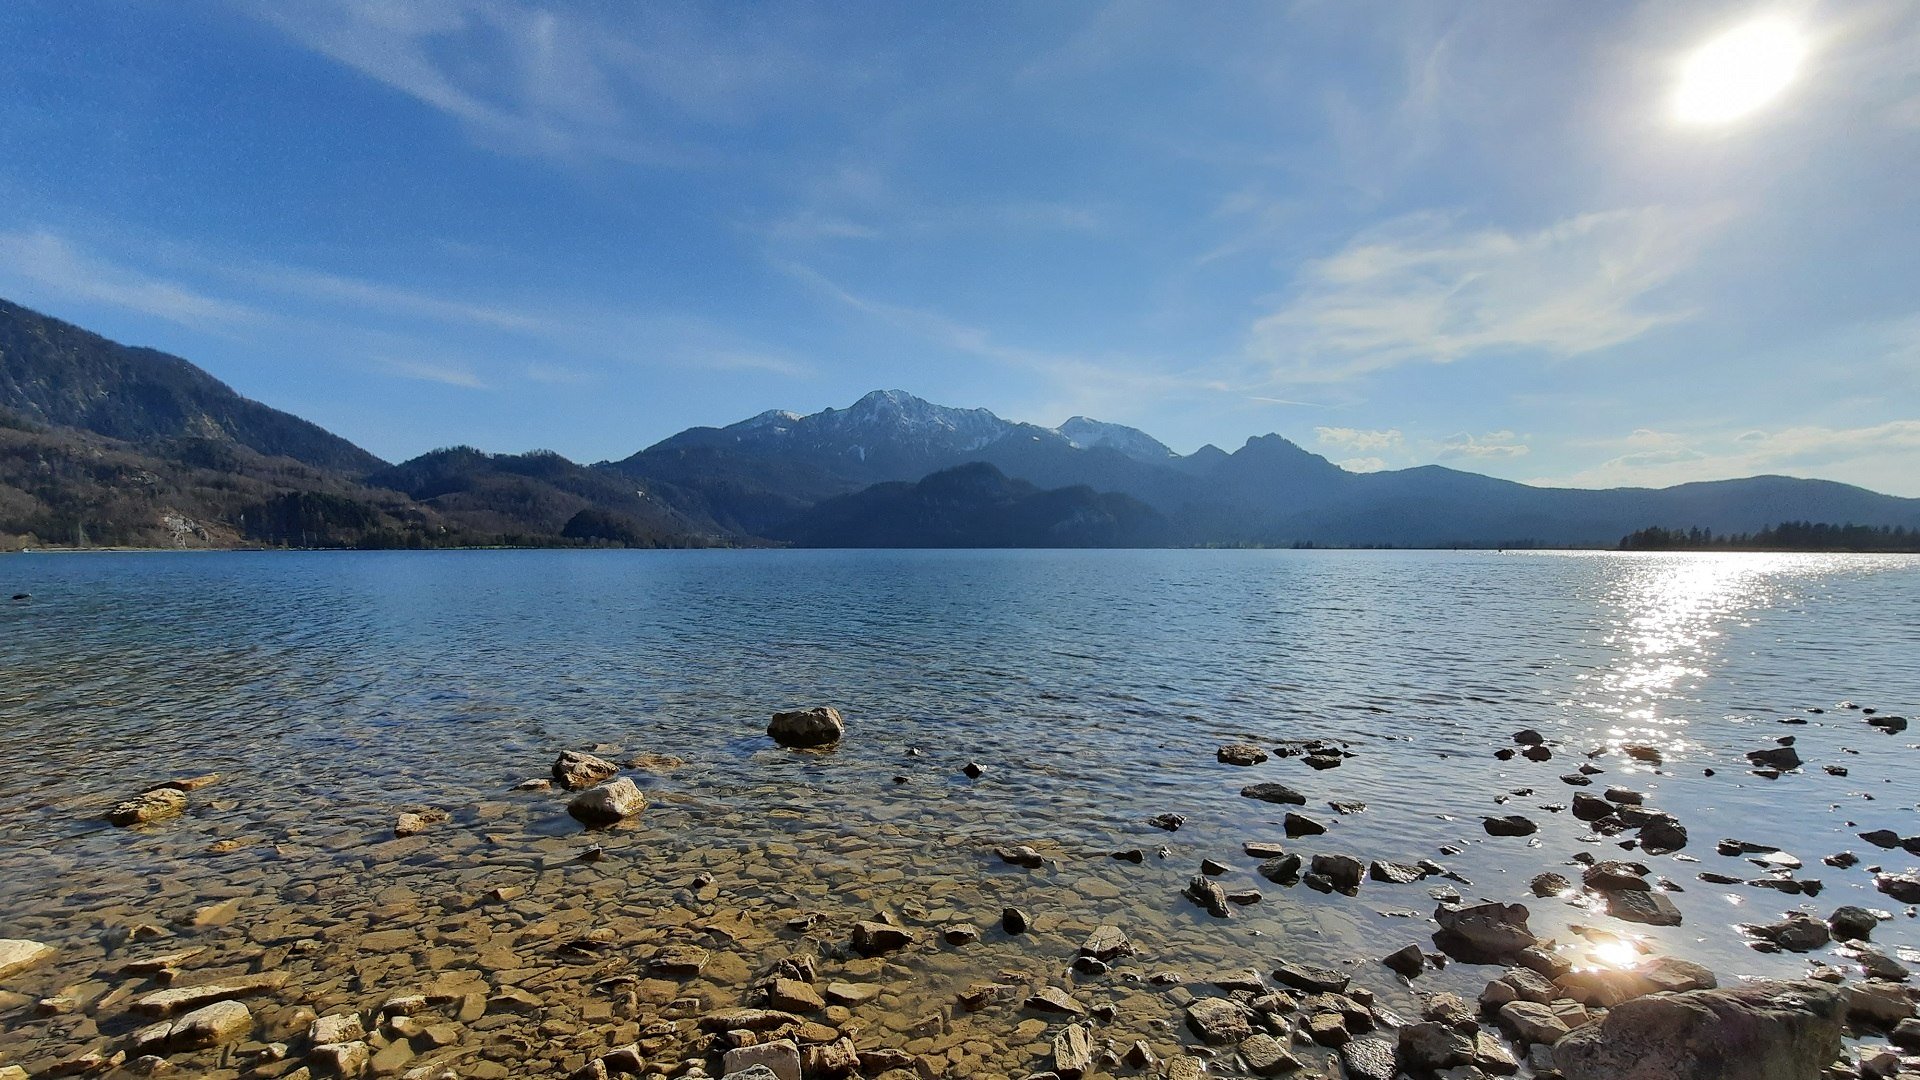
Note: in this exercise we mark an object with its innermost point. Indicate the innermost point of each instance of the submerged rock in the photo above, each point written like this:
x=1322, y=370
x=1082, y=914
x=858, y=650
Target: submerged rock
x=807, y=728
x=1762, y=1031
x=1208, y=894
x=577, y=770
x=1219, y=1020
x=157, y=804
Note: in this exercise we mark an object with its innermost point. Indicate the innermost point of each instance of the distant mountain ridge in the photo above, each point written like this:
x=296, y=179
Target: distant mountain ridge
x=763, y=473
x=101, y=442
x=57, y=373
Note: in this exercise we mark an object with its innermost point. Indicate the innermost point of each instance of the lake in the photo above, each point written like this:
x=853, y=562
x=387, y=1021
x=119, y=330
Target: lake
x=332, y=690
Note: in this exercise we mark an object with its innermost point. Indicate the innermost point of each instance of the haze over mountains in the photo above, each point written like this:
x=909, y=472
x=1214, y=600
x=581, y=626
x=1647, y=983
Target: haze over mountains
x=103, y=443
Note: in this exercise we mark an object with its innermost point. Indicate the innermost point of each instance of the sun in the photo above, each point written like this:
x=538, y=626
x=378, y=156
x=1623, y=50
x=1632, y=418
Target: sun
x=1738, y=72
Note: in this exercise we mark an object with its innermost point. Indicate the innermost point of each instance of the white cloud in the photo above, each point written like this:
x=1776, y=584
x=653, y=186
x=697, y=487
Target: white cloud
x=1420, y=289
x=1358, y=438
x=1883, y=456
x=1492, y=445
x=434, y=372
x=1363, y=464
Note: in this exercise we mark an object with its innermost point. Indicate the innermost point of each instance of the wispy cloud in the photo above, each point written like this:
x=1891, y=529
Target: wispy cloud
x=50, y=261
x=560, y=83
x=429, y=371
x=1423, y=290
x=1112, y=386
x=384, y=327
x=1358, y=439
x=1492, y=445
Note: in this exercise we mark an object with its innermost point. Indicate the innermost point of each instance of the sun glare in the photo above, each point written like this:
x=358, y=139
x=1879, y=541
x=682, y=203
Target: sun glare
x=1738, y=72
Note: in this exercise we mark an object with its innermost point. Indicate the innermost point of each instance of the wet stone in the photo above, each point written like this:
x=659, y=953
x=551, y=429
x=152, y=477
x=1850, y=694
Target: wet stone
x=812, y=728
x=1298, y=825
x=1510, y=825
x=1024, y=857
x=1650, y=908
x=875, y=938
x=1052, y=999
x=608, y=803
x=577, y=770
x=1219, y=1021
x=158, y=804
x=1242, y=754
x=678, y=961
x=1274, y=793
x=1309, y=978
x=1267, y=1056
x=1105, y=943
x=781, y=1058
x=19, y=954
x=1208, y=894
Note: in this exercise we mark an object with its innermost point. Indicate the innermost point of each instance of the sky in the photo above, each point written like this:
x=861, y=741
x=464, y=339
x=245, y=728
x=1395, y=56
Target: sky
x=1497, y=235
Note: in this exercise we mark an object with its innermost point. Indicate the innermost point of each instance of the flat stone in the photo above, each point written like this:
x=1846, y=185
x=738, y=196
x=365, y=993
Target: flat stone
x=1052, y=999
x=337, y=1028
x=846, y=993
x=1105, y=943
x=1274, y=793
x=19, y=954
x=340, y=1059
x=1369, y=1059
x=184, y=998
x=678, y=961
x=1311, y=979
x=781, y=1057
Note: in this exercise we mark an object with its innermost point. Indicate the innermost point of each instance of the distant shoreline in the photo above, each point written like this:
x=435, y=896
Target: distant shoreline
x=1235, y=547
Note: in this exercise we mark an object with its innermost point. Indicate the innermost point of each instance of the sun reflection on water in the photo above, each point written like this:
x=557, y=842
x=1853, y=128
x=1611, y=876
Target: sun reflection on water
x=1669, y=611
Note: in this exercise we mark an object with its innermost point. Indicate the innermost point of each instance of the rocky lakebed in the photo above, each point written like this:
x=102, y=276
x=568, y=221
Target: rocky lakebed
x=600, y=919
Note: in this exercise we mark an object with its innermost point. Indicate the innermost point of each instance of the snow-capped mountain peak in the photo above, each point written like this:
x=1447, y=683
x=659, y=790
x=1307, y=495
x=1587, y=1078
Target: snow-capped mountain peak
x=1134, y=443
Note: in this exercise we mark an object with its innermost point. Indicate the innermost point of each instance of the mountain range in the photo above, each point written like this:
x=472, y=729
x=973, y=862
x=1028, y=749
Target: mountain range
x=102, y=443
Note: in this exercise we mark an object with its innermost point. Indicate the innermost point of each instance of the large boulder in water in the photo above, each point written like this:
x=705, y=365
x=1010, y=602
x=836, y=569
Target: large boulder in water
x=1482, y=933
x=1761, y=1031
x=807, y=728
x=608, y=803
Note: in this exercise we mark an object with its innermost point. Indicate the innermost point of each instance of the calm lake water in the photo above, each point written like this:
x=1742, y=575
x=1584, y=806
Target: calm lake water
x=331, y=690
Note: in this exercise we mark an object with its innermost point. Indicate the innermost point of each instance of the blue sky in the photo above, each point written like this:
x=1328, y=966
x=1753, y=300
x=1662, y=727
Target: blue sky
x=1467, y=233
